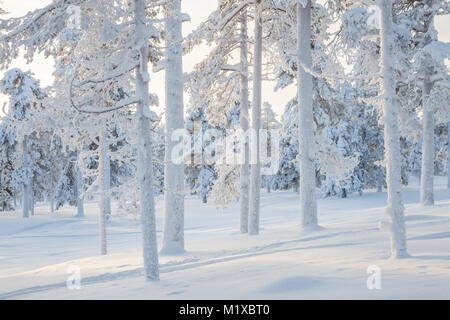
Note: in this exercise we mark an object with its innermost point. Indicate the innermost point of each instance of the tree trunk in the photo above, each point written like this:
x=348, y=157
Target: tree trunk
x=395, y=208
x=145, y=164
x=32, y=203
x=308, y=201
x=244, y=123
x=173, y=233
x=107, y=178
x=255, y=174
x=26, y=186
x=427, y=180
x=80, y=187
x=102, y=188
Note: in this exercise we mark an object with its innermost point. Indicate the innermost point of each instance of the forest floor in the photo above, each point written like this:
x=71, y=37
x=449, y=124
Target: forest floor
x=220, y=263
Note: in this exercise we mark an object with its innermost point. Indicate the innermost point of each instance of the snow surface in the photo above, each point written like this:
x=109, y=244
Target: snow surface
x=221, y=263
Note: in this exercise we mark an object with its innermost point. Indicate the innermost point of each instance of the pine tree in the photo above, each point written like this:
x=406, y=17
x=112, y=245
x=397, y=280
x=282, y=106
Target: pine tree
x=40, y=30
x=427, y=55
x=269, y=123
x=200, y=174
x=7, y=159
x=218, y=82
x=25, y=102
x=288, y=175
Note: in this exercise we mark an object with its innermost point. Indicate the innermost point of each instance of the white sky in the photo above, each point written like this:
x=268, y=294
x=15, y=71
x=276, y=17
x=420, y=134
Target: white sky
x=199, y=11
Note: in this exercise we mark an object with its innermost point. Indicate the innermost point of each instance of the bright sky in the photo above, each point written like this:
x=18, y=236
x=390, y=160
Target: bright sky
x=199, y=11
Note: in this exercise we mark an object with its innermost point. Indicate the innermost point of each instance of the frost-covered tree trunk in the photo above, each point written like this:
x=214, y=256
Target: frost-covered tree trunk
x=255, y=172
x=244, y=123
x=173, y=233
x=448, y=156
x=205, y=195
x=107, y=178
x=32, y=203
x=427, y=179
x=80, y=187
x=145, y=165
x=26, y=186
x=395, y=207
x=102, y=188
x=107, y=172
x=308, y=201
x=52, y=205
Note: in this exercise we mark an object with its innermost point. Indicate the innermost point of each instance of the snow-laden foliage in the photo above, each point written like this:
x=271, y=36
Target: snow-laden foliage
x=199, y=174
x=7, y=161
x=371, y=108
x=25, y=109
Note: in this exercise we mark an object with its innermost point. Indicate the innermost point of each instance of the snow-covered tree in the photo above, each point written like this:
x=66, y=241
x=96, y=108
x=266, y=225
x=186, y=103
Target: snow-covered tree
x=25, y=102
x=308, y=202
x=200, y=175
x=7, y=160
x=54, y=157
x=66, y=190
x=395, y=208
x=255, y=167
x=173, y=231
x=122, y=61
x=129, y=32
x=227, y=182
x=287, y=176
x=316, y=70
x=269, y=122
x=223, y=78
x=429, y=77
x=381, y=47
x=244, y=121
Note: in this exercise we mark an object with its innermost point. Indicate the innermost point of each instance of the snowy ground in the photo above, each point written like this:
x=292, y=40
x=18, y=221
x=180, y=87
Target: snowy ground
x=220, y=263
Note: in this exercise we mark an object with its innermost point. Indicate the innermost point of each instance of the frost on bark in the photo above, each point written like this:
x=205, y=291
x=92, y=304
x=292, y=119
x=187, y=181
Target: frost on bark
x=107, y=177
x=427, y=179
x=255, y=173
x=32, y=203
x=145, y=166
x=26, y=186
x=173, y=231
x=244, y=123
x=428, y=124
x=102, y=187
x=395, y=207
x=80, y=187
x=308, y=201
